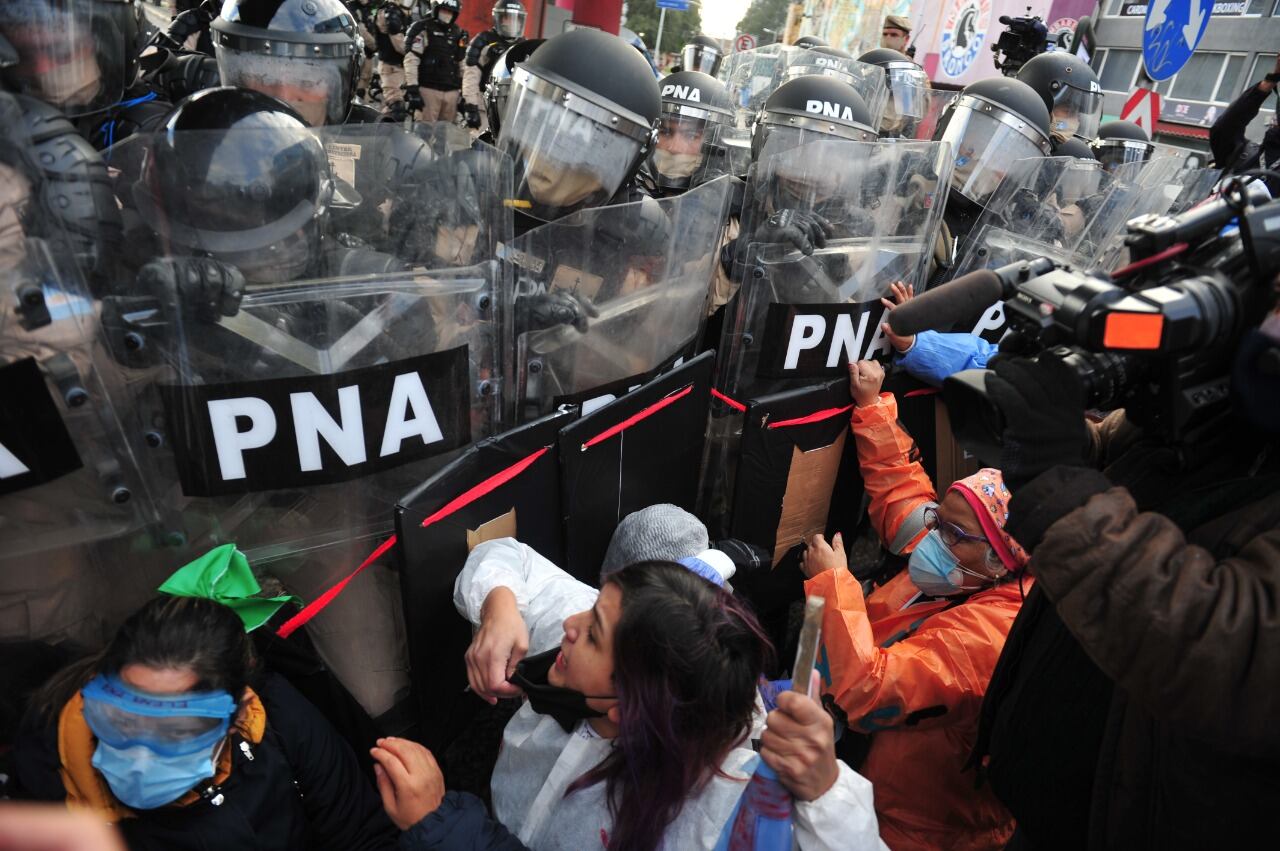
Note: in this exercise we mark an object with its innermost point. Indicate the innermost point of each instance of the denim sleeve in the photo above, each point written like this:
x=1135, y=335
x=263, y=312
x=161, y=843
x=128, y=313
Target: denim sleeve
x=936, y=356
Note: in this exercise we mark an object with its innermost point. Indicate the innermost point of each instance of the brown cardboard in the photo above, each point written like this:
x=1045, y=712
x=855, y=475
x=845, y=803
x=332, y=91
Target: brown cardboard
x=576, y=281
x=807, y=500
x=502, y=526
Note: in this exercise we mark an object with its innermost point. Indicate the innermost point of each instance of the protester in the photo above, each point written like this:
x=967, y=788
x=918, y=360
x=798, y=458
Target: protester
x=635, y=732
x=174, y=734
x=910, y=661
x=1233, y=152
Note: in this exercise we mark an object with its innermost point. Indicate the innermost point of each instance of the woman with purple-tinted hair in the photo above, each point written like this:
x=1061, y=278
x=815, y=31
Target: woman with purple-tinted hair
x=637, y=729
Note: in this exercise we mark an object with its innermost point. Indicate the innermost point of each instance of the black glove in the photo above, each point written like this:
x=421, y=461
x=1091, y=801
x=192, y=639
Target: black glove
x=1042, y=402
x=193, y=287
x=553, y=309
x=472, y=113
x=413, y=96
x=746, y=557
x=801, y=229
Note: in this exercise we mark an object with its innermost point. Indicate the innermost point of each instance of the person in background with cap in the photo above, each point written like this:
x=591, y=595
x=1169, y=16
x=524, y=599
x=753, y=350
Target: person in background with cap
x=176, y=735
x=896, y=32
x=909, y=662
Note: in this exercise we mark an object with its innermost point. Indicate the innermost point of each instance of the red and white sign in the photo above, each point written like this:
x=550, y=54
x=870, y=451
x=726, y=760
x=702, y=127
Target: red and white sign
x=1142, y=108
x=744, y=41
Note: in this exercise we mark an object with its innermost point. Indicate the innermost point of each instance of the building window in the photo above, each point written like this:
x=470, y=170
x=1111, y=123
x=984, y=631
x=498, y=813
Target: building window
x=1263, y=64
x=1116, y=74
x=1230, y=81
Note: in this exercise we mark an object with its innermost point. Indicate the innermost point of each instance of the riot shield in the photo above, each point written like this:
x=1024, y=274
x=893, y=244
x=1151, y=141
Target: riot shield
x=752, y=75
x=67, y=475
x=644, y=270
x=1062, y=208
x=802, y=316
x=287, y=380
x=866, y=79
x=913, y=112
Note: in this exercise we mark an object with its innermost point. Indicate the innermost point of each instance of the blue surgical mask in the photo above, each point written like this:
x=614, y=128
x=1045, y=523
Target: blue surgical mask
x=936, y=571
x=144, y=780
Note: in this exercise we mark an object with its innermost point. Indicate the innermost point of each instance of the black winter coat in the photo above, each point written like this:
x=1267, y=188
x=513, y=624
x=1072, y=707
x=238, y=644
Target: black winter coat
x=299, y=788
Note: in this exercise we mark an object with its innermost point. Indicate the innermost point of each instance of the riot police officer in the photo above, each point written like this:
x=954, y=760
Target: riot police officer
x=702, y=54
x=577, y=135
x=993, y=124
x=364, y=14
x=1070, y=92
x=433, y=63
x=390, y=26
x=499, y=87
x=307, y=53
x=483, y=54
x=1121, y=142
x=696, y=109
x=908, y=85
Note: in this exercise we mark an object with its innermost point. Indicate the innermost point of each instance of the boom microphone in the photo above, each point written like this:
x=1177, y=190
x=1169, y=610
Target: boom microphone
x=965, y=299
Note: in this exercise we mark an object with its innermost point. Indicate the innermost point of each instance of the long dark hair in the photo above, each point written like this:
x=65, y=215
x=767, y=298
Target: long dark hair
x=687, y=658
x=168, y=632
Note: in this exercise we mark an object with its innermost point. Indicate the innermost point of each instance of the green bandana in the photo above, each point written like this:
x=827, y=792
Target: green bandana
x=223, y=575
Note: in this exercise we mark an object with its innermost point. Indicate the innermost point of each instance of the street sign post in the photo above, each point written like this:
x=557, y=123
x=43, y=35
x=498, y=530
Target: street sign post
x=1170, y=33
x=744, y=42
x=674, y=5
x=1143, y=109
x=664, y=5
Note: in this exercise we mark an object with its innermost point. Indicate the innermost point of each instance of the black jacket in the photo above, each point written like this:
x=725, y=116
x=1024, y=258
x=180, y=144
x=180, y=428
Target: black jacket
x=299, y=788
x=1232, y=150
x=460, y=823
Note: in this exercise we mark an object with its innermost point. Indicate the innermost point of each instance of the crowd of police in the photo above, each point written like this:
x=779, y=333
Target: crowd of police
x=292, y=290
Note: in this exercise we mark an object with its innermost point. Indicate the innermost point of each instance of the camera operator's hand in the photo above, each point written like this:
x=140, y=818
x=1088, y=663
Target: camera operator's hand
x=902, y=293
x=1042, y=402
x=803, y=230
x=866, y=377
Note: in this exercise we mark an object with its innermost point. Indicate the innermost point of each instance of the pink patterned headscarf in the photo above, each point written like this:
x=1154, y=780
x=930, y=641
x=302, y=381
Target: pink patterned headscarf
x=987, y=495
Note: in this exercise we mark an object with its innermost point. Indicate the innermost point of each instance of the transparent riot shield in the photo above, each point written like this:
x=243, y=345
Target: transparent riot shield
x=802, y=316
x=752, y=75
x=642, y=273
x=913, y=112
x=291, y=368
x=1062, y=208
x=67, y=475
x=866, y=79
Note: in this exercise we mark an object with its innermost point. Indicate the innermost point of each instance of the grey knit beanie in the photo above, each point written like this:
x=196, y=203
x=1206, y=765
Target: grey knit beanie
x=658, y=533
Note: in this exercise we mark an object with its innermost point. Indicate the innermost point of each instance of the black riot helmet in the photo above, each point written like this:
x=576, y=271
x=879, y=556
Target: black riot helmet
x=1121, y=142
x=76, y=55
x=908, y=85
x=694, y=106
x=993, y=124
x=1071, y=147
x=807, y=42
x=508, y=19
x=237, y=175
x=498, y=88
x=702, y=53
x=307, y=53
x=453, y=7
x=810, y=108
x=824, y=61
x=1070, y=92
x=579, y=121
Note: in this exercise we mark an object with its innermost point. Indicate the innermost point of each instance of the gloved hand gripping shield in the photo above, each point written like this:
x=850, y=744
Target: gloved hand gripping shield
x=609, y=295
x=67, y=475
x=287, y=380
x=828, y=225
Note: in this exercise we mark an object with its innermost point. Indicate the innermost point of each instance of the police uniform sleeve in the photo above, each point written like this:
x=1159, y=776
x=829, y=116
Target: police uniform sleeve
x=471, y=83
x=477, y=46
x=343, y=808
x=413, y=55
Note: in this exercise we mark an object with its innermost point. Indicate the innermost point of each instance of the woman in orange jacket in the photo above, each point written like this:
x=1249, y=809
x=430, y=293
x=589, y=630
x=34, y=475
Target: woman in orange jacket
x=909, y=662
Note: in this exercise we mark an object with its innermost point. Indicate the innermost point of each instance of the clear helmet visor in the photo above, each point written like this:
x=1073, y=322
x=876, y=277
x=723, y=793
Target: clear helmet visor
x=1075, y=112
x=680, y=150
x=984, y=149
x=318, y=88
x=564, y=160
x=1113, y=153
x=698, y=57
x=509, y=23
x=76, y=55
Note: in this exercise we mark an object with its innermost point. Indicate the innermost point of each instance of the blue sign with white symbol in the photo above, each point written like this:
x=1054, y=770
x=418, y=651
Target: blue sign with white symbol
x=674, y=5
x=1170, y=33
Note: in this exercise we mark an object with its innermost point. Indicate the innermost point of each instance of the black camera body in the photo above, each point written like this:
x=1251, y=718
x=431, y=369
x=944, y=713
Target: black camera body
x=1024, y=38
x=1157, y=338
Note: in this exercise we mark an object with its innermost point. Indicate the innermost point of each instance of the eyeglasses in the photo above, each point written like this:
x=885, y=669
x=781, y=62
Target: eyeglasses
x=951, y=534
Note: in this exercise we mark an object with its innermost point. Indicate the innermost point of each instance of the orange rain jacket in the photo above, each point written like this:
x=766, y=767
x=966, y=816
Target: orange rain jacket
x=914, y=673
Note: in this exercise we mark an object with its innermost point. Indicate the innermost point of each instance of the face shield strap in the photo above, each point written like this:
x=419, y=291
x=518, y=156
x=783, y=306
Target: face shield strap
x=251, y=40
x=799, y=121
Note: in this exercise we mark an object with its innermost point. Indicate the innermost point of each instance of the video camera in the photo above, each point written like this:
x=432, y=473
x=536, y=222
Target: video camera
x=1023, y=39
x=1156, y=338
